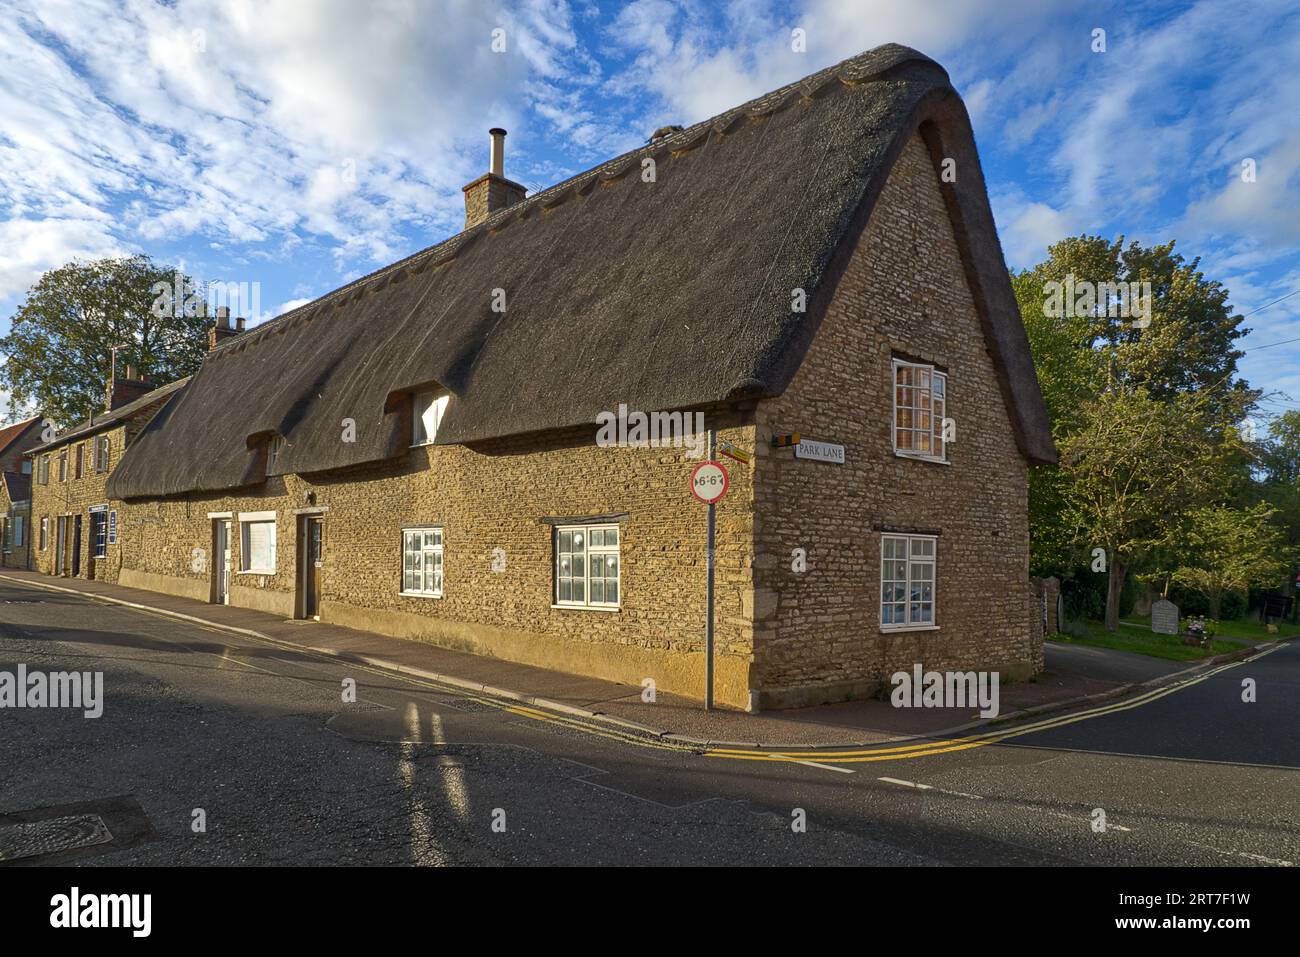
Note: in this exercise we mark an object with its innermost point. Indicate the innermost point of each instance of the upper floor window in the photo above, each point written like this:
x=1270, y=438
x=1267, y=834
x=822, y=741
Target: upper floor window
x=920, y=401
x=586, y=566
x=428, y=410
x=81, y=460
x=101, y=453
x=63, y=466
x=272, y=453
x=26, y=466
x=43, y=470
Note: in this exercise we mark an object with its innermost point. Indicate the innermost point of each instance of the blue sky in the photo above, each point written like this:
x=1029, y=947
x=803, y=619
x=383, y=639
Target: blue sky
x=298, y=144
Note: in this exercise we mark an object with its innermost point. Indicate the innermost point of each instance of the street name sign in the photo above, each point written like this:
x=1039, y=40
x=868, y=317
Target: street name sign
x=820, y=451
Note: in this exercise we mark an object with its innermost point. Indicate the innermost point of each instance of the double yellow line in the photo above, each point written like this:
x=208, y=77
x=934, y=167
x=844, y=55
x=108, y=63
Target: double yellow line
x=928, y=748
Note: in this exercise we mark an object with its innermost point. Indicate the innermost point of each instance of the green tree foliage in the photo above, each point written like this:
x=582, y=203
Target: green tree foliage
x=1231, y=549
x=1144, y=401
x=1134, y=462
x=58, y=353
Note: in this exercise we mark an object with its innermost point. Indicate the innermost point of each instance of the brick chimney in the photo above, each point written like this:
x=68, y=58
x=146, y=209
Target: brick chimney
x=123, y=389
x=492, y=191
x=221, y=329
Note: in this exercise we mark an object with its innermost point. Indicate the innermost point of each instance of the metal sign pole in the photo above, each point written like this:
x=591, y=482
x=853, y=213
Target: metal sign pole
x=708, y=628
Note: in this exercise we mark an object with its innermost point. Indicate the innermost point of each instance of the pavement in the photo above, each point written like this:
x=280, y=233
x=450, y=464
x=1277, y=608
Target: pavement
x=1074, y=675
x=217, y=747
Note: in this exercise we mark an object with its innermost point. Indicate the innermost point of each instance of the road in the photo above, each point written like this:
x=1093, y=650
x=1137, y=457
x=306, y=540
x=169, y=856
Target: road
x=256, y=741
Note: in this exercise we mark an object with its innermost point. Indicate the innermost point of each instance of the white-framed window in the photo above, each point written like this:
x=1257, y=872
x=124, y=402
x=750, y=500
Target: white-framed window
x=43, y=472
x=101, y=453
x=907, y=580
x=272, y=453
x=920, y=403
x=257, y=543
x=45, y=531
x=587, y=566
x=422, y=562
x=63, y=466
x=427, y=412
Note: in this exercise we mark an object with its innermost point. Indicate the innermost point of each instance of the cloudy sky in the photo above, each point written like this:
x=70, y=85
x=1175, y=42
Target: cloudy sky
x=298, y=144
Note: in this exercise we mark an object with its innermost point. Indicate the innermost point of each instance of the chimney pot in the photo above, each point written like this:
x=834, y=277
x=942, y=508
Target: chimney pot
x=498, y=164
x=239, y=323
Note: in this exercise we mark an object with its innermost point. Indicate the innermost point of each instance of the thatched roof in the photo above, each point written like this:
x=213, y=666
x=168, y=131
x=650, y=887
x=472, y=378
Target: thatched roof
x=660, y=295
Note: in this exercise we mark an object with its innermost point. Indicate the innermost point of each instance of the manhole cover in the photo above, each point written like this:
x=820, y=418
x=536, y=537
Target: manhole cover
x=52, y=835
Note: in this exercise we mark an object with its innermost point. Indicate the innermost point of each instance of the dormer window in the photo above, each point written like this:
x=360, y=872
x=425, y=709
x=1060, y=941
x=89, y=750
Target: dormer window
x=428, y=409
x=272, y=453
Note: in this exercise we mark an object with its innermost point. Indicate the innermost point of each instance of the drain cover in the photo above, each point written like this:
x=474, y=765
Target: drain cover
x=52, y=835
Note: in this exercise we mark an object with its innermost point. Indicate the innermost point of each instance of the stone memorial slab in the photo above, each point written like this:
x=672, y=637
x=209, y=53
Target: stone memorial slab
x=1164, y=617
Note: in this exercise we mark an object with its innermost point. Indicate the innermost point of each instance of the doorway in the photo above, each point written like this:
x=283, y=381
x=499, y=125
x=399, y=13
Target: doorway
x=60, y=542
x=311, y=540
x=221, y=561
x=76, y=546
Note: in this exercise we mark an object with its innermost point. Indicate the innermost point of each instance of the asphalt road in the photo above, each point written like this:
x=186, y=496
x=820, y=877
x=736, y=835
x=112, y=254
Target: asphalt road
x=284, y=771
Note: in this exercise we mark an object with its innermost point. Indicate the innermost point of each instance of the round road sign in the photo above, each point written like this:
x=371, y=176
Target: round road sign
x=709, y=482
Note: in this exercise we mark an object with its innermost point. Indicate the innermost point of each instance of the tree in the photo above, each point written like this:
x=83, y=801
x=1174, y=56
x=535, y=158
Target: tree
x=1134, y=464
x=59, y=351
x=1230, y=550
x=1111, y=364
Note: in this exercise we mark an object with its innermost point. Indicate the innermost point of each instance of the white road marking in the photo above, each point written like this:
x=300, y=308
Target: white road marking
x=931, y=787
x=1251, y=857
x=814, y=764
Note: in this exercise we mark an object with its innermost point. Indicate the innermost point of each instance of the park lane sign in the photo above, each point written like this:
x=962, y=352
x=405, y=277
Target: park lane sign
x=819, y=451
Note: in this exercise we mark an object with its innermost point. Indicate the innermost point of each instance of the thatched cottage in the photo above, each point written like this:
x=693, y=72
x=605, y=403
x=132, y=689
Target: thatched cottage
x=417, y=452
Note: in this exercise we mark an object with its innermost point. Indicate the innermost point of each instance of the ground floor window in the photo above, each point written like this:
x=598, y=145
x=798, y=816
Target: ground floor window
x=99, y=533
x=907, y=579
x=422, y=562
x=257, y=544
x=587, y=566
x=45, y=531
x=20, y=532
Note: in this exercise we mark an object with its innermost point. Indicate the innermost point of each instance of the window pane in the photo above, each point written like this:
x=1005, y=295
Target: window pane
x=566, y=589
x=578, y=538
x=611, y=566
x=597, y=589
x=611, y=590
x=904, y=375
x=597, y=538
x=579, y=590
x=611, y=536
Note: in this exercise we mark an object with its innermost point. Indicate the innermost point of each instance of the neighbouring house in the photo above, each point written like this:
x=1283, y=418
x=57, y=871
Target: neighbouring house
x=15, y=519
x=426, y=452
x=73, y=526
x=15, y=489
x=16, y=440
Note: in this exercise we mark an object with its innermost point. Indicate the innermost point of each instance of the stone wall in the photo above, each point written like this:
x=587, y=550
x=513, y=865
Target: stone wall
x=496, y=496
x=817, y=634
